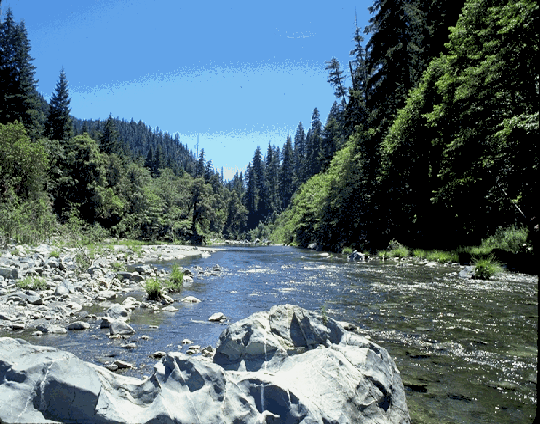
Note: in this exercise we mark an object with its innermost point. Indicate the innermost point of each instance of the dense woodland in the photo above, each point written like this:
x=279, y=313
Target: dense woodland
x=432, y=140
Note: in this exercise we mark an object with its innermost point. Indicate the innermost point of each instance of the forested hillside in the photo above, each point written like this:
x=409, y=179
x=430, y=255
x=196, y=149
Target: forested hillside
x=436, y=139
x=108, y=177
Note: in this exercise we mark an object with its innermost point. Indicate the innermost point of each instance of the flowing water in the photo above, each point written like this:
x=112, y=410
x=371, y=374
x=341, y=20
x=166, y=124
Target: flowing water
x=467, y=350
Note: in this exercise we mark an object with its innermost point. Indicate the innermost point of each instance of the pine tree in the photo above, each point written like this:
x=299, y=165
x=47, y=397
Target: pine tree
x=19, y=99
x=336, y=78
x=58, y=125
x=299, y=156
x=286, y=180
x=109, y=142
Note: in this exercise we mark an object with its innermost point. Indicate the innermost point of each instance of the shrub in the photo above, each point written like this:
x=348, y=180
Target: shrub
x=117, y=266
x=153, y=288
x=399, y=252
x=513, y=239
x=29, y=282
x=347, y=250
x=485, y=268
x=382, y=254
x=419, y=253
x=176, y=279
x=55, y=253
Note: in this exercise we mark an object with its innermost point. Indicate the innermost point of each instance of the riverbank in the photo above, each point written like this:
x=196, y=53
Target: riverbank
x=46, y=288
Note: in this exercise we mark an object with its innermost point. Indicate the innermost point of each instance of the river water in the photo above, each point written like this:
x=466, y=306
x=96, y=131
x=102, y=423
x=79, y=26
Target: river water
x=467, y=350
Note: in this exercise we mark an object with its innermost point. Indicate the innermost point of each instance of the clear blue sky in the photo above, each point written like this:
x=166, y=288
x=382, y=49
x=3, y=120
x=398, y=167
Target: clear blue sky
x=239, y=73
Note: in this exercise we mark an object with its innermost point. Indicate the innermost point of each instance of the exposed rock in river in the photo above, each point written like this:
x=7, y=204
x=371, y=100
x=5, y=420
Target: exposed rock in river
x=283, y=365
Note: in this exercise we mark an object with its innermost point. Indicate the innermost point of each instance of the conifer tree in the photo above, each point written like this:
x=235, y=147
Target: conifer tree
x=58, y=125
x=299, y=155
x=19, y=99
x=286, y=180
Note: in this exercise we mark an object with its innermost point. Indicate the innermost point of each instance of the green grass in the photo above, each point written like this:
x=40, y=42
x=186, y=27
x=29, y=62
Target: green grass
x=117, y=266
x=34, y=283
x=399, y=252
x=55, y=253
x=485, y=268
x=176, y=279
x=419, y=253
x=382, y=254
x=324, y=315
x=347, y=250
x=153, y=288
x=441, y=256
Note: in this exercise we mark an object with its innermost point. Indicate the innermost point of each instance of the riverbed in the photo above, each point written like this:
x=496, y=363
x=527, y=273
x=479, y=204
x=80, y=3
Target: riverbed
x=467, y=350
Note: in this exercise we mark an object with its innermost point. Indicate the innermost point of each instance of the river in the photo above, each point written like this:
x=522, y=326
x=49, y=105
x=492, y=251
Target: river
x=467, y=350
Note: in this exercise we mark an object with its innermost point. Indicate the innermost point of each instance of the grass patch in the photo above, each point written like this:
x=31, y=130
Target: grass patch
x=324, y=315
x=176, y=279
x=33, y=283
x=54, y=253
x=347, y=250
x=399, y=252
x=153, y=288
x=117, y=266
x=485, y=268
x=382, y=255
x=419, y=253
x=441, y=256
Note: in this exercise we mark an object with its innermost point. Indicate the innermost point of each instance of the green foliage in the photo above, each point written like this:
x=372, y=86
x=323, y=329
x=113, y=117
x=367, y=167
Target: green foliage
x=176, y=279
x=33, y=283
x=153, y=288
x=117, y=266
x=382, y=254
x=399, y=252
x=324, y=315
x=486, y=268
x=55, y=253
x=441, y=256
x=512, y=239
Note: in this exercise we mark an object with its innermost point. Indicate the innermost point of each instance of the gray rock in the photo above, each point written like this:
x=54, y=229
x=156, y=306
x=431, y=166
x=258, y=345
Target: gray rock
x=467, y=272
x=6, y=272
x=169, y=308
x=136, y=277
x=123, y=275
x=78, y=325
x=265, y=379
x=217, y=317
x=144, y=269
x=190, y=299
x=119, y=327
x=117, y=311
x=61, y=290
x=51, y=329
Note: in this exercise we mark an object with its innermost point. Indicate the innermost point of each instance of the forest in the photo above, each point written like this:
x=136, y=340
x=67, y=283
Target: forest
x=432, y=140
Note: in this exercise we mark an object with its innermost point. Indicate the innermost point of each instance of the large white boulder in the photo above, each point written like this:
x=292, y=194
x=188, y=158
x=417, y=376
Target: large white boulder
x=285, y=365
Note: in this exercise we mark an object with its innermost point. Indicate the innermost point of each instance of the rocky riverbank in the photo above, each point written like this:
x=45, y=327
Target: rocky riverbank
x=46, y=289
x=283, y=365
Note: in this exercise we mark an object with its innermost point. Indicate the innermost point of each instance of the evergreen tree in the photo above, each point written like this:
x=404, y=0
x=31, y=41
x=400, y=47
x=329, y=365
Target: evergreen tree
x=110, y=142
x=58, y=125
x=336, y=77
x=19, y=99
x=286, y=180
x=299, y=155
x=272, y=203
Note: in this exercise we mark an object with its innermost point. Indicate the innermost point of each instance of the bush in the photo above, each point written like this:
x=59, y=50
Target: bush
x=153, y=288
x=513, y=239
x=399, y=252
x=176, y=279
x=34, y=283
x=485, y=268
x=419, y=253
x=382, y=254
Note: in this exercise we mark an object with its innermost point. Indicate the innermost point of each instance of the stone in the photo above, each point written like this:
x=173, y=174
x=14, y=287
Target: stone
x=169, y=308
x=74, y=306
x=136, y=277
x=78, y=325
x=61, y=290
x=217, y=317
x=6, y=272
x=356, y=256
x=108, y=294
x=157, y=355
x=122, y=364
x=466, y=272
x=130, y=346
x=119, y=327
x=18, y=326
x=190, y=299
x=51, y=329
x=117, y=311
x=123, y=275
x=283, y=365
x=186, y=341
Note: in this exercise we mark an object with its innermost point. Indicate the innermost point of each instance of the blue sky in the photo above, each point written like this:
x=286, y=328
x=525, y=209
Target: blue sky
x=238, y=73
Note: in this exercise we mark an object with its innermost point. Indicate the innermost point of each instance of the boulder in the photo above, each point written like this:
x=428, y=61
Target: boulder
x=51, y=329
x=78, y=325
x=119, y=327
x=190, y=299
x=217, y=317
x=283, y=365
x=356, y=256
x=117, y=311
